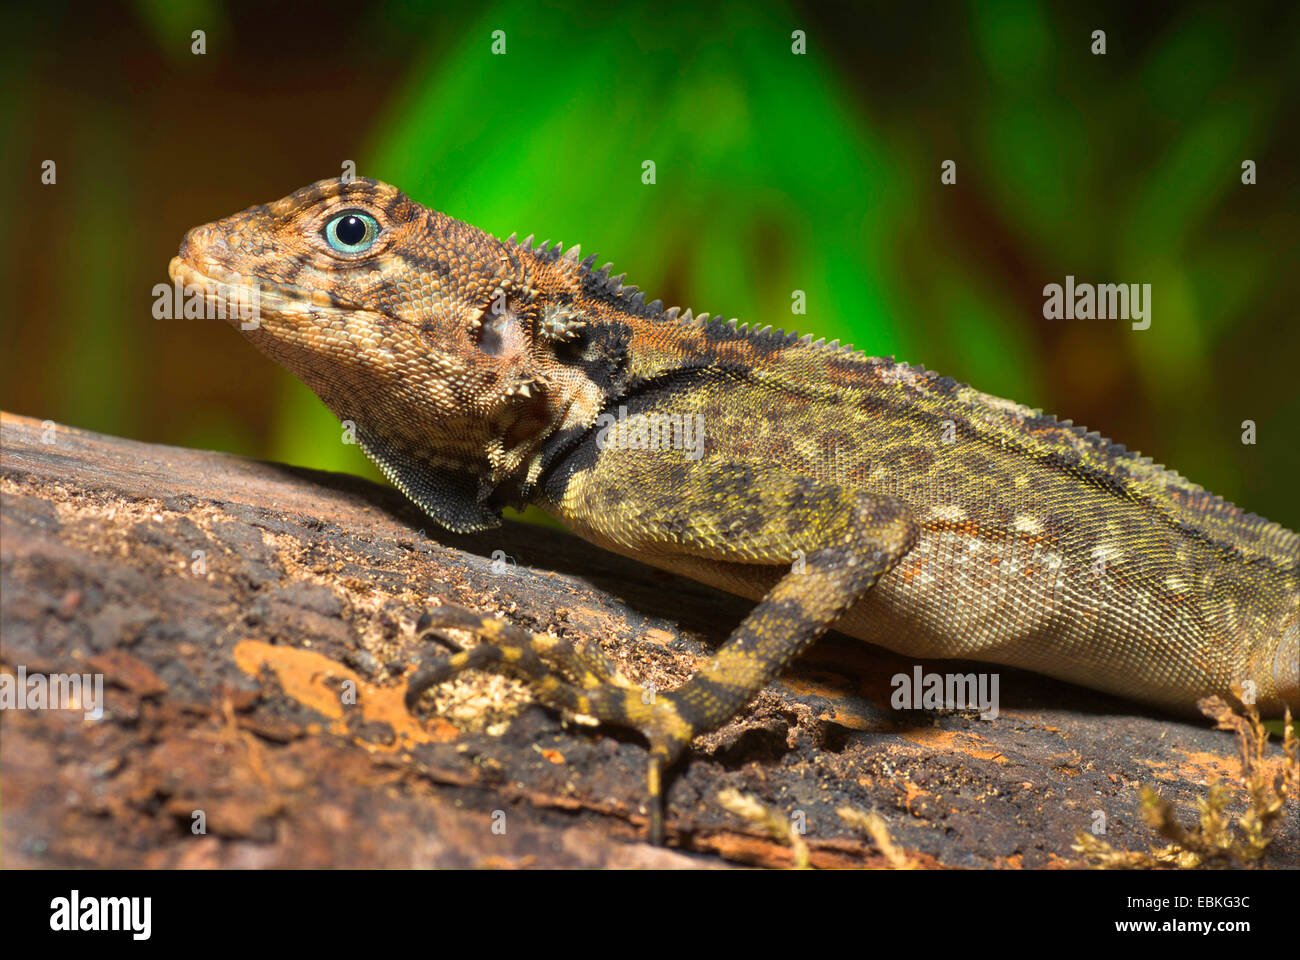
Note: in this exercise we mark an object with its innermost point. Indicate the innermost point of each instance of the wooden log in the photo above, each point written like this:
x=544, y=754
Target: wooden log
x=251, y=623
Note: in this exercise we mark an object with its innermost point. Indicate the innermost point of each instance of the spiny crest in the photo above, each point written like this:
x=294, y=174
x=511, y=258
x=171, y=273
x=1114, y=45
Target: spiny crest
x=600, y=283
x=733, y=330
x=545, y=251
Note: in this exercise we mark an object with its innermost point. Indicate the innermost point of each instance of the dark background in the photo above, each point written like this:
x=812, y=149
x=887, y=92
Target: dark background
x=775, y=172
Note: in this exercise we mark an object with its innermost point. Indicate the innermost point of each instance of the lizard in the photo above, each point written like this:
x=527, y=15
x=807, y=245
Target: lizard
x=901, y=507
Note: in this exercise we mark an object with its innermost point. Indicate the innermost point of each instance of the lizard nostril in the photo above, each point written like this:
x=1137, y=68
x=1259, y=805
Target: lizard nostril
x=206, y=239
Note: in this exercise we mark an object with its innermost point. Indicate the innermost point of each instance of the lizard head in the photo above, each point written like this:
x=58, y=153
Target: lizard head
x=426, y=333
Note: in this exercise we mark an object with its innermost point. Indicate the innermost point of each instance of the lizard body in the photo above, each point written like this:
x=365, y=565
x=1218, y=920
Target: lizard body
x=904, y=508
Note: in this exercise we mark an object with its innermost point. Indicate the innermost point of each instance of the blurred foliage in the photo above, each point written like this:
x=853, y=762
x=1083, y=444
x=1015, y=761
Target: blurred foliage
x=775, y=172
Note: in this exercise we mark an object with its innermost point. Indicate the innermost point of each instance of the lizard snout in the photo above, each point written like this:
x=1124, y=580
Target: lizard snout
x=204, y=244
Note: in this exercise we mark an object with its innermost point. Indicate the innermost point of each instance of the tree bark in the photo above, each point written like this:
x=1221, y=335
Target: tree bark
x=252, y=626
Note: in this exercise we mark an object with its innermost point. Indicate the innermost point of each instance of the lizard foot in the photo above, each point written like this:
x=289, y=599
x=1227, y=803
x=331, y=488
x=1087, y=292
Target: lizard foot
x=506, y=646
x=581, y=683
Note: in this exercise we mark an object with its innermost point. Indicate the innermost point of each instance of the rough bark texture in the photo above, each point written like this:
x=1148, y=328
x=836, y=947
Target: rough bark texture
x=231, y=605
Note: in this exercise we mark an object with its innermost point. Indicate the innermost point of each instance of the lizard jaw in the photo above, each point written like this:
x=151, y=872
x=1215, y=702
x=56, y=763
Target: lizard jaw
x=226, y=292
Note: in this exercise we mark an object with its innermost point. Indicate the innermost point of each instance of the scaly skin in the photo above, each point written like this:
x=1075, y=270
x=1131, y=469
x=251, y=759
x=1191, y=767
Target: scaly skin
x=904, y=508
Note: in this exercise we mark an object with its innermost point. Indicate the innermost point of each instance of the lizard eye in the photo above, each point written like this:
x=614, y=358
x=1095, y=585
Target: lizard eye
x=351, y=232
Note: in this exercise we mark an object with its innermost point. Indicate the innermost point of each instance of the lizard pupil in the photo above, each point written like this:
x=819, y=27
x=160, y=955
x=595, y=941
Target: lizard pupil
x=351, y=232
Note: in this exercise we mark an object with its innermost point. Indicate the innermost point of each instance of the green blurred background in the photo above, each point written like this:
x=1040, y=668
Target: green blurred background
x=775, y=172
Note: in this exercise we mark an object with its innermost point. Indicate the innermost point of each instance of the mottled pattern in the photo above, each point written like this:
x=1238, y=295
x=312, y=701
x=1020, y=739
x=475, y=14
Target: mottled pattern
x=918, y=513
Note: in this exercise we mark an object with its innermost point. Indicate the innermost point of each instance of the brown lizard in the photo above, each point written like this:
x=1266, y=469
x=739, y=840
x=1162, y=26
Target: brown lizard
x=902, y=507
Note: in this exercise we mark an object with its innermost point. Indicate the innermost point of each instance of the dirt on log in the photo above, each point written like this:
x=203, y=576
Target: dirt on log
x=252, y=624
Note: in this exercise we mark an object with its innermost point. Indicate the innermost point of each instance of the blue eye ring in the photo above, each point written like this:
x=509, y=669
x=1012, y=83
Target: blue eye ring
x=352, y=231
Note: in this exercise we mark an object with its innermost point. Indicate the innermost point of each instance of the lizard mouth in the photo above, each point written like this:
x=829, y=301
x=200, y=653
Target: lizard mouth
x=231, y=296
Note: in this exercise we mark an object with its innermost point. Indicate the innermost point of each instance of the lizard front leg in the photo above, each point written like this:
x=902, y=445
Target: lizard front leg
x=843, y=539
